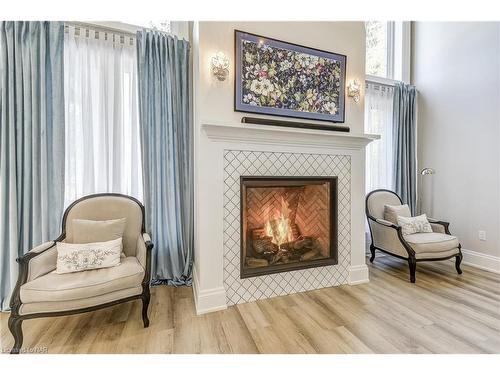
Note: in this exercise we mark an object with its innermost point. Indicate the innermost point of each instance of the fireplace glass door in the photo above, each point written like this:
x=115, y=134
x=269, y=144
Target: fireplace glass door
x=287, y=223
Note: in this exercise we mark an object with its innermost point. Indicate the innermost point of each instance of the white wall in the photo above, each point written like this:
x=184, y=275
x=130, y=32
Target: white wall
x=456, y=69
x=214, y=103
x=216, y=99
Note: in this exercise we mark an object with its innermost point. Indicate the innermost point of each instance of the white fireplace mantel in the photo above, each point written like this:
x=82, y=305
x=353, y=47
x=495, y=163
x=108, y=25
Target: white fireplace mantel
x=215, y=138
x=275, y=135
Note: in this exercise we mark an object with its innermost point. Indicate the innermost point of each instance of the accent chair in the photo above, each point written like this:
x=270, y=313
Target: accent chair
x=418, y=247
x=41, y=292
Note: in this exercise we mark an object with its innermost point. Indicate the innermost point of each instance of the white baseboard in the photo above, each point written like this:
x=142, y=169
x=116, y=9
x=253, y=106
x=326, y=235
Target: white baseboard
x=208, y=300
x=358, y=274
x=482, y=261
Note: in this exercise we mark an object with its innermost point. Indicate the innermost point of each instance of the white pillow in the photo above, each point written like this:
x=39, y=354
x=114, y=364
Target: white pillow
x=417, y=224
x=72, y=257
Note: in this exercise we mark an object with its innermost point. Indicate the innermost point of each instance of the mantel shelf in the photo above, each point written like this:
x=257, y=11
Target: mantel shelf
x=307, y=138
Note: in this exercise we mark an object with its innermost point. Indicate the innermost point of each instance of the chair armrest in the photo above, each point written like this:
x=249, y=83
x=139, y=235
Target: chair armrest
x=388, y=236
x=439, y=226
x=43, y=261
x=38, y=261
x=387, y=223
x=143, y=254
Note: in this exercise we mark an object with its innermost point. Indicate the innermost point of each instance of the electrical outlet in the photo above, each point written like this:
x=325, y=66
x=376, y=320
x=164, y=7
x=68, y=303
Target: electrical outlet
x=482, y=235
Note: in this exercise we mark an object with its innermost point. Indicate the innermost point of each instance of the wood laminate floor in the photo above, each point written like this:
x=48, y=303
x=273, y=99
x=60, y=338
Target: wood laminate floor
x=441, y=313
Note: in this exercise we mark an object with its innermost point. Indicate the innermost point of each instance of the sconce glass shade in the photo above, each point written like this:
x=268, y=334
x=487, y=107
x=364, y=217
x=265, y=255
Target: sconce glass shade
x=220, y=66
x=353, y=90
x=427, y=171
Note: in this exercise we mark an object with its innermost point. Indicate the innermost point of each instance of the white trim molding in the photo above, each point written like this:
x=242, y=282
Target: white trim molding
x=482, y=261
x=275, y=135
x=358, y=274
x=208, y=300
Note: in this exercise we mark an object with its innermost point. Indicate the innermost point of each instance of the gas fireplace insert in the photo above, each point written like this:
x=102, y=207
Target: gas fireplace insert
x=287, y=223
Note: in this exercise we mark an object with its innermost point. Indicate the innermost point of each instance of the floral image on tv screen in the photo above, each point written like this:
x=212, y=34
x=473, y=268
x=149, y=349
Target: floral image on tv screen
x=284, y=79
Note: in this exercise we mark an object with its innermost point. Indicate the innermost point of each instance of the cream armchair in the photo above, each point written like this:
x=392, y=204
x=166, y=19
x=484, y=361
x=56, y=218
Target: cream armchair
x=388, y=237
x=40, y=292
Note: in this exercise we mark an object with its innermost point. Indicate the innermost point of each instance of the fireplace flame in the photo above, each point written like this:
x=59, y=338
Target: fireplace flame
x=279, y=227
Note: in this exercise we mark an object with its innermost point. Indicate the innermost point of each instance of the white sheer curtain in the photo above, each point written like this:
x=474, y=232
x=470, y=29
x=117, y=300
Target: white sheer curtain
x=101, y=107
x=378, y=120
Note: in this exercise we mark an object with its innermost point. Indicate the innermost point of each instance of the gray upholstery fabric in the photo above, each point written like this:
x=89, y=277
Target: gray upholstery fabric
x=437, y=255
x=391, y=212
x=109, y=208
x=437, y=228
x=43, y=263
x=88, y=231
x=431, y=242
x=40, y=307
x=378, y=200
x=386, y=238
x=54, y=287
x=141, y=251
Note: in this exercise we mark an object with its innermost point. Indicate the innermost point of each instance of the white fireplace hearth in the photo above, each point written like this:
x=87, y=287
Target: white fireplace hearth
x=224, y=153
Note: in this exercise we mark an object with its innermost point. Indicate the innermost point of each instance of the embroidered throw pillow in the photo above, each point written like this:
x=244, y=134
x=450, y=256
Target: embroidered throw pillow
x=391, y=213
x=417, y=224
x=72, y=257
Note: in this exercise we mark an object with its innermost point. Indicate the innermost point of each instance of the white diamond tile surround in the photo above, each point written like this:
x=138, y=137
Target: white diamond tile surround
x=252, y=163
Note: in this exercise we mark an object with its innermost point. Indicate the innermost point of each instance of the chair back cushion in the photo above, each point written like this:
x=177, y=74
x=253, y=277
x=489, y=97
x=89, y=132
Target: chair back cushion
x=88, y=231
x=391, y=213
x=108, y=207
x=376, y=201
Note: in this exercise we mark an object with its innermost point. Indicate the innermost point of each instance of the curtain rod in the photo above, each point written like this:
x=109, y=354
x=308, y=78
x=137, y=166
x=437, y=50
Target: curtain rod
x=101, y=28
x=386, y=84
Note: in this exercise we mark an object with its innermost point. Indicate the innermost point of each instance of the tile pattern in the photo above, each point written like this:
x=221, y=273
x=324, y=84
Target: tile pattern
x=251, y=163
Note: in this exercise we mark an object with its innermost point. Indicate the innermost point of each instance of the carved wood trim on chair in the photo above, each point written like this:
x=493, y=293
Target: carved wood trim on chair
x=16, y=319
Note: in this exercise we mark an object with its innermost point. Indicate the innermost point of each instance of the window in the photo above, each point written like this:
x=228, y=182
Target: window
x=378, y=120
x=379, y=48
x=387, y=60
x=101, y=114
x=387, y=50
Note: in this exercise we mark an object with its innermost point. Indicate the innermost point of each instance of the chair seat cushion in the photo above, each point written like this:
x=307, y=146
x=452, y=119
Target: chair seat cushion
x=54, y=287
x=429, y=243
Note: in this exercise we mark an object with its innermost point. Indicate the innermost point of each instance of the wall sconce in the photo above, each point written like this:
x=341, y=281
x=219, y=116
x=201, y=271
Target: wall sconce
x=353, y=90
x=220, y=66
x=427, y=171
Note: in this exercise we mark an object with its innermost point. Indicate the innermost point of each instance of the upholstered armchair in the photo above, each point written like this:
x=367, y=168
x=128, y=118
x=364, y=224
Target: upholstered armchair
x=41, y=292
x=388, y=237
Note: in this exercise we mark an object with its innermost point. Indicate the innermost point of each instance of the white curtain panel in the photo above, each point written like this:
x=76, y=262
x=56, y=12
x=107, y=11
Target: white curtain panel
x=101, y=107
x=378, y=120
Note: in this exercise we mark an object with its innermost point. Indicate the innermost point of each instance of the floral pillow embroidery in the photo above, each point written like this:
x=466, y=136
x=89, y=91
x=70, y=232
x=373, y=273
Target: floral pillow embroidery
x=417, y=224
x=82, y=257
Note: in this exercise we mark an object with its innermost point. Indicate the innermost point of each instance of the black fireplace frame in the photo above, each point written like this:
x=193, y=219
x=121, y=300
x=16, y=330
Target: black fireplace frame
x=288, y=181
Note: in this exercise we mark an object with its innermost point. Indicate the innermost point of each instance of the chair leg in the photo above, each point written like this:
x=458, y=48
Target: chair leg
x=458, y=260
x=15, y=327
x=372, y=250
x=413, y=268
x=145, y=304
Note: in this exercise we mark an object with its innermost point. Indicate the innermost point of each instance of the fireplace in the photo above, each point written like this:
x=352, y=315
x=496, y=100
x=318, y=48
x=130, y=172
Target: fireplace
x=287, y=223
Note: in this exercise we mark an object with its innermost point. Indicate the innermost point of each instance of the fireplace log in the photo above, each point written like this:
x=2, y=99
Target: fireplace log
x=254, y=262
x=301, y=246
x=262, y=245
x=303, y=242
x=309, y=255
